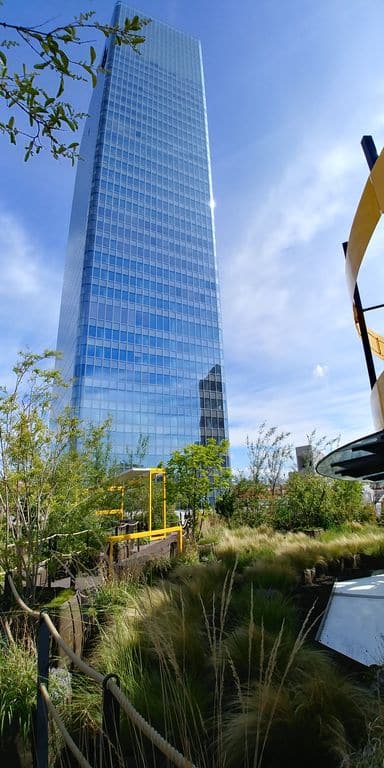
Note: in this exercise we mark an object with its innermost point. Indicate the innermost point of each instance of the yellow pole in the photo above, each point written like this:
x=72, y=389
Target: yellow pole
x=150, y=502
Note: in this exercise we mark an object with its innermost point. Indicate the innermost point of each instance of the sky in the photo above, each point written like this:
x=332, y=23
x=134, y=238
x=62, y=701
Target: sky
x=291, y=87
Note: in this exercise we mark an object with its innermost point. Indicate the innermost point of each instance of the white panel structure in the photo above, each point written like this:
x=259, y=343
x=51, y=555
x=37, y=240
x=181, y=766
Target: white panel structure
x=353, y=623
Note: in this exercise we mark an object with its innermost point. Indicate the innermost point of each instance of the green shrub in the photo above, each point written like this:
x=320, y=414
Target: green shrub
x=312, y=501
x=246, y=502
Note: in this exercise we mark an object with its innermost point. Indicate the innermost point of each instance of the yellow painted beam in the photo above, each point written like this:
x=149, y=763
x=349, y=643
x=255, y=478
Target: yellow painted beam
x=364, y=224
x=376, y=340
x=109, y=512
x=144, y=534
x=367, y=216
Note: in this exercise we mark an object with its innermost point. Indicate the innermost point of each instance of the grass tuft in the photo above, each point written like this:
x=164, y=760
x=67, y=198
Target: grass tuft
x=17, y=689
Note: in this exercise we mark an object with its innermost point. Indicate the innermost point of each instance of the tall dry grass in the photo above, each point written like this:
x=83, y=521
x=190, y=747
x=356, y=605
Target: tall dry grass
x=297, y=550
x=218, y=665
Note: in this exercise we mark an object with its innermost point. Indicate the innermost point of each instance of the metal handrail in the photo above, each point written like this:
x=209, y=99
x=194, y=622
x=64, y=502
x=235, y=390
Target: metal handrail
x=55, y=536
x=66, y=736
x=106, y=681
x=148, y=730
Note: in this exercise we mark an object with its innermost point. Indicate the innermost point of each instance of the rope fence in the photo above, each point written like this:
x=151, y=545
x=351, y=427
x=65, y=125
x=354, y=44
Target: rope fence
x=113, y=700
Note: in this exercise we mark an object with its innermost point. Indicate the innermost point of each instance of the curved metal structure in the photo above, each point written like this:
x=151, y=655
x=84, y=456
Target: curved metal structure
x=366, y=219
x=364, y=458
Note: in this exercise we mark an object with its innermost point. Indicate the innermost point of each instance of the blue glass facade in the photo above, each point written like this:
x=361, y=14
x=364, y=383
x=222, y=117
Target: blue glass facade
x=140, y=328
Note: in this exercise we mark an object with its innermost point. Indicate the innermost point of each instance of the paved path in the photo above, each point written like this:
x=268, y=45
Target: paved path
x=82, y=583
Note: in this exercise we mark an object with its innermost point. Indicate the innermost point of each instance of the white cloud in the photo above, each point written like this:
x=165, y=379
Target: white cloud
x=287, y=305
x=320, y=371
x=300, y=409
x=280, y=283
x=29, y=294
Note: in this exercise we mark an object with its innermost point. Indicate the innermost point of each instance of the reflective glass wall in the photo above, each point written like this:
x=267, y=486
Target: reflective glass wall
x=140, y=327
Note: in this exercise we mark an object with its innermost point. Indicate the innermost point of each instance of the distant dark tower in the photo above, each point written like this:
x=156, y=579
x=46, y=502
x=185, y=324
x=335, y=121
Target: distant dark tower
x=212, y=415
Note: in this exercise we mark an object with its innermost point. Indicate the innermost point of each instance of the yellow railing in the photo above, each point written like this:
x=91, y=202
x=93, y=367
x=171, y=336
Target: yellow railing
x=114, y=512
x=133, y=475
x=157, y=533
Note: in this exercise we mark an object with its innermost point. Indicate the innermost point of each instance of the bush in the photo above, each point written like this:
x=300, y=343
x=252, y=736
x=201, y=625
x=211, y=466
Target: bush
x=311, y=501
x=245, y=503
x=308, y=501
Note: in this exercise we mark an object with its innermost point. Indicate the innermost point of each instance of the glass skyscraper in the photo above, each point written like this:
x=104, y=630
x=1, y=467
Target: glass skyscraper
x=140, y=329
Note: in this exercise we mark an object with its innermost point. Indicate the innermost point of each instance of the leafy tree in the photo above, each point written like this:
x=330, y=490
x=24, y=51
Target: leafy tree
x=196, y=474
x=45, y=474
x=249, y=500
x=268, y=455
x=225, y=505
x=34, y=94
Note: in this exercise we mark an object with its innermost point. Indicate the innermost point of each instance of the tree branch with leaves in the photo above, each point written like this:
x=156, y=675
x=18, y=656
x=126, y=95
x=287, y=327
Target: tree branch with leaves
x=37, y=110
x=268, y=455
x=46, y=471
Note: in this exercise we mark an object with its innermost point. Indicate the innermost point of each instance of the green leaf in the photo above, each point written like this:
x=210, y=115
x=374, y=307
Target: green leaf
x=61, y=88
x=135, y=24
x=53, y=45
x=28, y=152
x=64, y=59
x=92, y=53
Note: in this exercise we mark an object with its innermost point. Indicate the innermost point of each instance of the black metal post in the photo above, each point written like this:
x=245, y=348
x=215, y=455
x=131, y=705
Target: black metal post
x=370, y=151
x=40, y=736
x=111, y=725
x=364, y=332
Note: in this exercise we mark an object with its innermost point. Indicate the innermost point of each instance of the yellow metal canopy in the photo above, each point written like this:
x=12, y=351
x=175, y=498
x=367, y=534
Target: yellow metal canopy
x=135, y=472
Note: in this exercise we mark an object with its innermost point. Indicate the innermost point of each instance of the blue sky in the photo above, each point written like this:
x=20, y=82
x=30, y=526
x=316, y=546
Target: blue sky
x=291, y=88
